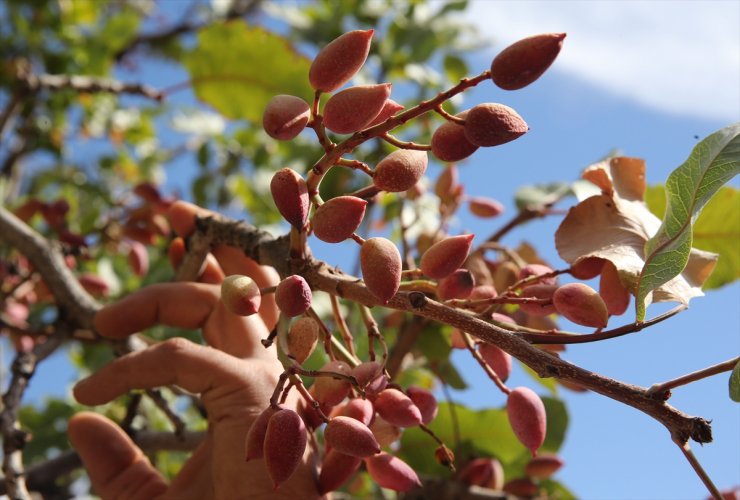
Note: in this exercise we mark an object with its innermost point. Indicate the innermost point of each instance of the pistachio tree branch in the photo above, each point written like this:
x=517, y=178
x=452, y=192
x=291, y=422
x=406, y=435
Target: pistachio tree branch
x=321, y=276
x=88, y=84
x=74, y=302
x=76, y=310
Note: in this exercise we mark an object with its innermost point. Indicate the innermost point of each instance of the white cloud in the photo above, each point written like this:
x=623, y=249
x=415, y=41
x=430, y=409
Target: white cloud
x=676, y=56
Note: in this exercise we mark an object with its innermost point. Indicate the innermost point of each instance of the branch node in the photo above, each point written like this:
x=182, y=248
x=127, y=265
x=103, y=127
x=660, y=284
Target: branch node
x=417, y=300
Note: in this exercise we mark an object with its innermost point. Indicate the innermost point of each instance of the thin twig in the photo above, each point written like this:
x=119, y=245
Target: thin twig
x=238, y=9
x=559, y=337
x=156, y=396
x=694, y=462
x=482, y=362
x=342, y=325
x=663, y=390
x=405, y=144
x=89, y=85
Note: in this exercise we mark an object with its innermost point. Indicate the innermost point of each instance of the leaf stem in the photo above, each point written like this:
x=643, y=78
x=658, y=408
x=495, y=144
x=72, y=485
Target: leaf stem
x=577, y=338
x=405, y=144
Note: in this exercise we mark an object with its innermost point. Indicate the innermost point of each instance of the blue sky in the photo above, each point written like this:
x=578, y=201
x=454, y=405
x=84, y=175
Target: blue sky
x=646, y=78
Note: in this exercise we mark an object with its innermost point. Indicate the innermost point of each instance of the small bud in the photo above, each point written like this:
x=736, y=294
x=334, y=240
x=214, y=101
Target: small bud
x=339, y=60
x=290, y=194
x=285, y=117
x=351, y=437
x=302, y=338
x=391, y=472
x=285, y=442
x=397, y=408
x=458, y=285
x=293, y=295
x=485, y=207
x=522, y=487
x=527, y=417
x=449, y=142
x=425, y=401
x=338, y=218
x=352, y=109
x=400, y=170
x=444, y=456
x=380, y=262
x=240, y=295
x=498, y=359
x=523, y=62
x=444, y=257
x=581, y=304
x=493, y=124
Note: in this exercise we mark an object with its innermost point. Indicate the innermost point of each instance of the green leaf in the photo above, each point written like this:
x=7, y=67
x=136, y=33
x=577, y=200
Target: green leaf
x=541, y=194
x=735, y=383
x=557, y=424
x=712, y=163
x=717, y=229
x=486, y=432
x=237, y=69
x=447, y=372
x=548, y=383
x=455, y=68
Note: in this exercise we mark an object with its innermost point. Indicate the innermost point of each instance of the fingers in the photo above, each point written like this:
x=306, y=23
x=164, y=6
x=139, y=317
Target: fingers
x=116, y=466
x=185, y=305
x=177, y=361
x=181, y=305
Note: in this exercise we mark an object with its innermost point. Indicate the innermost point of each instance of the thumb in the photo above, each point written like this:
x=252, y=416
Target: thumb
x=116, y=466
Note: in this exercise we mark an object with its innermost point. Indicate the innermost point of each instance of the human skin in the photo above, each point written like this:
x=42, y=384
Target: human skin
x=234, y=375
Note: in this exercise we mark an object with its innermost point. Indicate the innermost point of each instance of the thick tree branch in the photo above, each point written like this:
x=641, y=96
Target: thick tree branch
x=14, y=438
x=321, y=276
x=88, y=84
x=76, y=304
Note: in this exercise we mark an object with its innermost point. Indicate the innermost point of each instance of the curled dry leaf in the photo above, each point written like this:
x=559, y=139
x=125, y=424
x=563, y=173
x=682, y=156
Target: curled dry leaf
x=615, y=226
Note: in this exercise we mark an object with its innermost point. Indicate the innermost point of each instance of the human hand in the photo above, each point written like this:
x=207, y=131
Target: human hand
x=235, y=376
